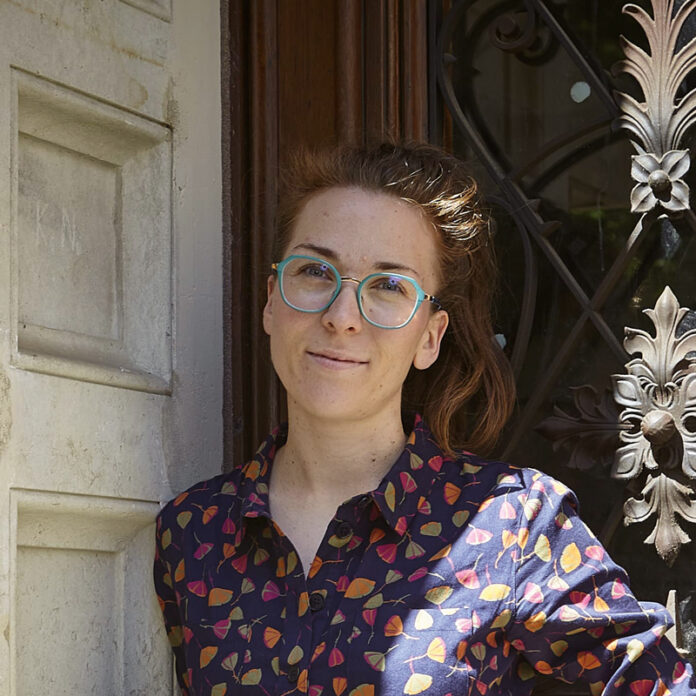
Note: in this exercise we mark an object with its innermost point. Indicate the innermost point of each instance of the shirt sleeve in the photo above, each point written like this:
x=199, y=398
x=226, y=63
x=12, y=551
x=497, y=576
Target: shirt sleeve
x=576, y=618
x=166, y=596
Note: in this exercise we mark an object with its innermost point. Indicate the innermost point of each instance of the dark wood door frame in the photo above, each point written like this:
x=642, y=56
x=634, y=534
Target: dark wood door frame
x=298, y=72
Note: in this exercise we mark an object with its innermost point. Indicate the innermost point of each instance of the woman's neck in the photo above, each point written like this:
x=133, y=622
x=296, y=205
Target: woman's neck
x=339, y=459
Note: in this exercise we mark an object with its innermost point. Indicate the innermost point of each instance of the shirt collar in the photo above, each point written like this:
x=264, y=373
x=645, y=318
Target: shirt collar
x=404, y=488
x=408, y=483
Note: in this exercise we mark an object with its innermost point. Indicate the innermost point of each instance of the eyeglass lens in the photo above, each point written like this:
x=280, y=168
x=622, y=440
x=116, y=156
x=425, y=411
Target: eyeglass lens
x=385, y=299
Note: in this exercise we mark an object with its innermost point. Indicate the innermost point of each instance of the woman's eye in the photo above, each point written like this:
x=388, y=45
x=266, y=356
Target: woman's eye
x=316, y=270
x=390, y=285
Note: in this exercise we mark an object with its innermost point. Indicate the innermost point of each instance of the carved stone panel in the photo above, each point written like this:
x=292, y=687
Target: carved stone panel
x=78, y=565
x=92, y=249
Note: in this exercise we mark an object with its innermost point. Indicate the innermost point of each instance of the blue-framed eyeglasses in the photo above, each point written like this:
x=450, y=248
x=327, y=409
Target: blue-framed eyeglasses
x=386, y=300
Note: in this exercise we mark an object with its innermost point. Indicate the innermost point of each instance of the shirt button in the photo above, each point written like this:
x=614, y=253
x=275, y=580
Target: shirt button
x=293, y=673
x=316, y=601
x=343, y=530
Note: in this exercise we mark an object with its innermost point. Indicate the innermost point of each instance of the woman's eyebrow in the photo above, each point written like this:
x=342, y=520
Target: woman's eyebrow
x=333, y=256
x=324, y=251
x=394, y=266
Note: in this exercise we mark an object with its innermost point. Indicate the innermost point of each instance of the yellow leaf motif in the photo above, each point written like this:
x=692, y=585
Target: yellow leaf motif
x=570, y=558
x=431, y=529
x=424, y=620
x=559, y=647
x=219, y=689
x=508, y=538
x=600, y=604
x=437, y=650
x=417, y=683
x=375, y=660
x=437, y=595
x=296, y=654
x=494, y=592
x=252, y=677
x=634, y=650
x=522, y=537
x=542, y=548
x=390, y=496
x=503, y=619
x=375, y=601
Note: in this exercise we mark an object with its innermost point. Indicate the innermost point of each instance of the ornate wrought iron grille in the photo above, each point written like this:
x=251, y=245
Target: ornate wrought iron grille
x=587, y=171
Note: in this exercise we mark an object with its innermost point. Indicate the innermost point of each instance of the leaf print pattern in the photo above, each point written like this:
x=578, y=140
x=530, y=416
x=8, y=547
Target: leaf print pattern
x=454, y=576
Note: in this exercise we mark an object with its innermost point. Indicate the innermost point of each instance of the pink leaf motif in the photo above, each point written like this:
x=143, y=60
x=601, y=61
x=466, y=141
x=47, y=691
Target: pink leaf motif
x=418, y=574
x=533, y=593
x=240, y=564
x=435, y=463
x=580, y=599
x=595, y=552
x=336, y=658
x=369, y=615
x=507, y=511
x=202, y=550
x=617, y=589
x=407, y=482
x=270, y=591
x=478, y=536
x=468, y=578
x=198, y=587
x=463, y=625
x=387, y=552
x=220, y=628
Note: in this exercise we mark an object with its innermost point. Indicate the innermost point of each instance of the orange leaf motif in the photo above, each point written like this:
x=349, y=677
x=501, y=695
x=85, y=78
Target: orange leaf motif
x=359, y=588
x=587, y=660
x=207, y=654
x=394, y=626
x=219, y=596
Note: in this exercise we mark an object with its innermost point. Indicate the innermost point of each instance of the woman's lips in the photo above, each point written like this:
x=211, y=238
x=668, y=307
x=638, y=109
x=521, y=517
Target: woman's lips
x=335, y=361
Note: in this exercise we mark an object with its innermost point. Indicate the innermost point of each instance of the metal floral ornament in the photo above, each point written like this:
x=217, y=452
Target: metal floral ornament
x=646, y=434
x=658, y=435
x=658, y=124
x=659, y=181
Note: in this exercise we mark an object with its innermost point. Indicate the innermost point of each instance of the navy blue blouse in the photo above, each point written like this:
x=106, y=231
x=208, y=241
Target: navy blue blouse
x=455, y=576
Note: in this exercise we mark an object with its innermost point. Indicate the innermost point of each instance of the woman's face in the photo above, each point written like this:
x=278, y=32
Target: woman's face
x=334, y=364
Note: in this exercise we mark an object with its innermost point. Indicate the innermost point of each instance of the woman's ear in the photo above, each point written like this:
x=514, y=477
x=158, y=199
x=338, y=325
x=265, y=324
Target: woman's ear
x=268, y=308
x=429, y=348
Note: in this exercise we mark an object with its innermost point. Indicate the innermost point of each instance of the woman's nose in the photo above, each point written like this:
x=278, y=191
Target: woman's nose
x=343, y=314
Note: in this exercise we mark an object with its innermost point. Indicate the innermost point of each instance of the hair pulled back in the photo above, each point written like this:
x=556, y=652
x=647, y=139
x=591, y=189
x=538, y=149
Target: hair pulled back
x=467, y=395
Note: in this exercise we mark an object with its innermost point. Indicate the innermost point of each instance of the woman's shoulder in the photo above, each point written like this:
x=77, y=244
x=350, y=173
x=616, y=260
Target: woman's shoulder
x=492, y=478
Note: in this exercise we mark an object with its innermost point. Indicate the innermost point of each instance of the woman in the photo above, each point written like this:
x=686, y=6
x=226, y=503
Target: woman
x=362, y=551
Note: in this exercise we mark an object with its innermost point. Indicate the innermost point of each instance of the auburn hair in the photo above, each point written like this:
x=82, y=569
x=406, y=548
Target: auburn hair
x=468, y=394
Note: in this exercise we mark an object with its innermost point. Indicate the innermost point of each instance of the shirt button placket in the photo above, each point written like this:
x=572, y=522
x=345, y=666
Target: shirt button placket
x=316, y=601
x=343, y=530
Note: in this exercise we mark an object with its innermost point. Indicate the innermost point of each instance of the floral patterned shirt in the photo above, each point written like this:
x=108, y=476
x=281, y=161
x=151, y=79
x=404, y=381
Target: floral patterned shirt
x=455, y=576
